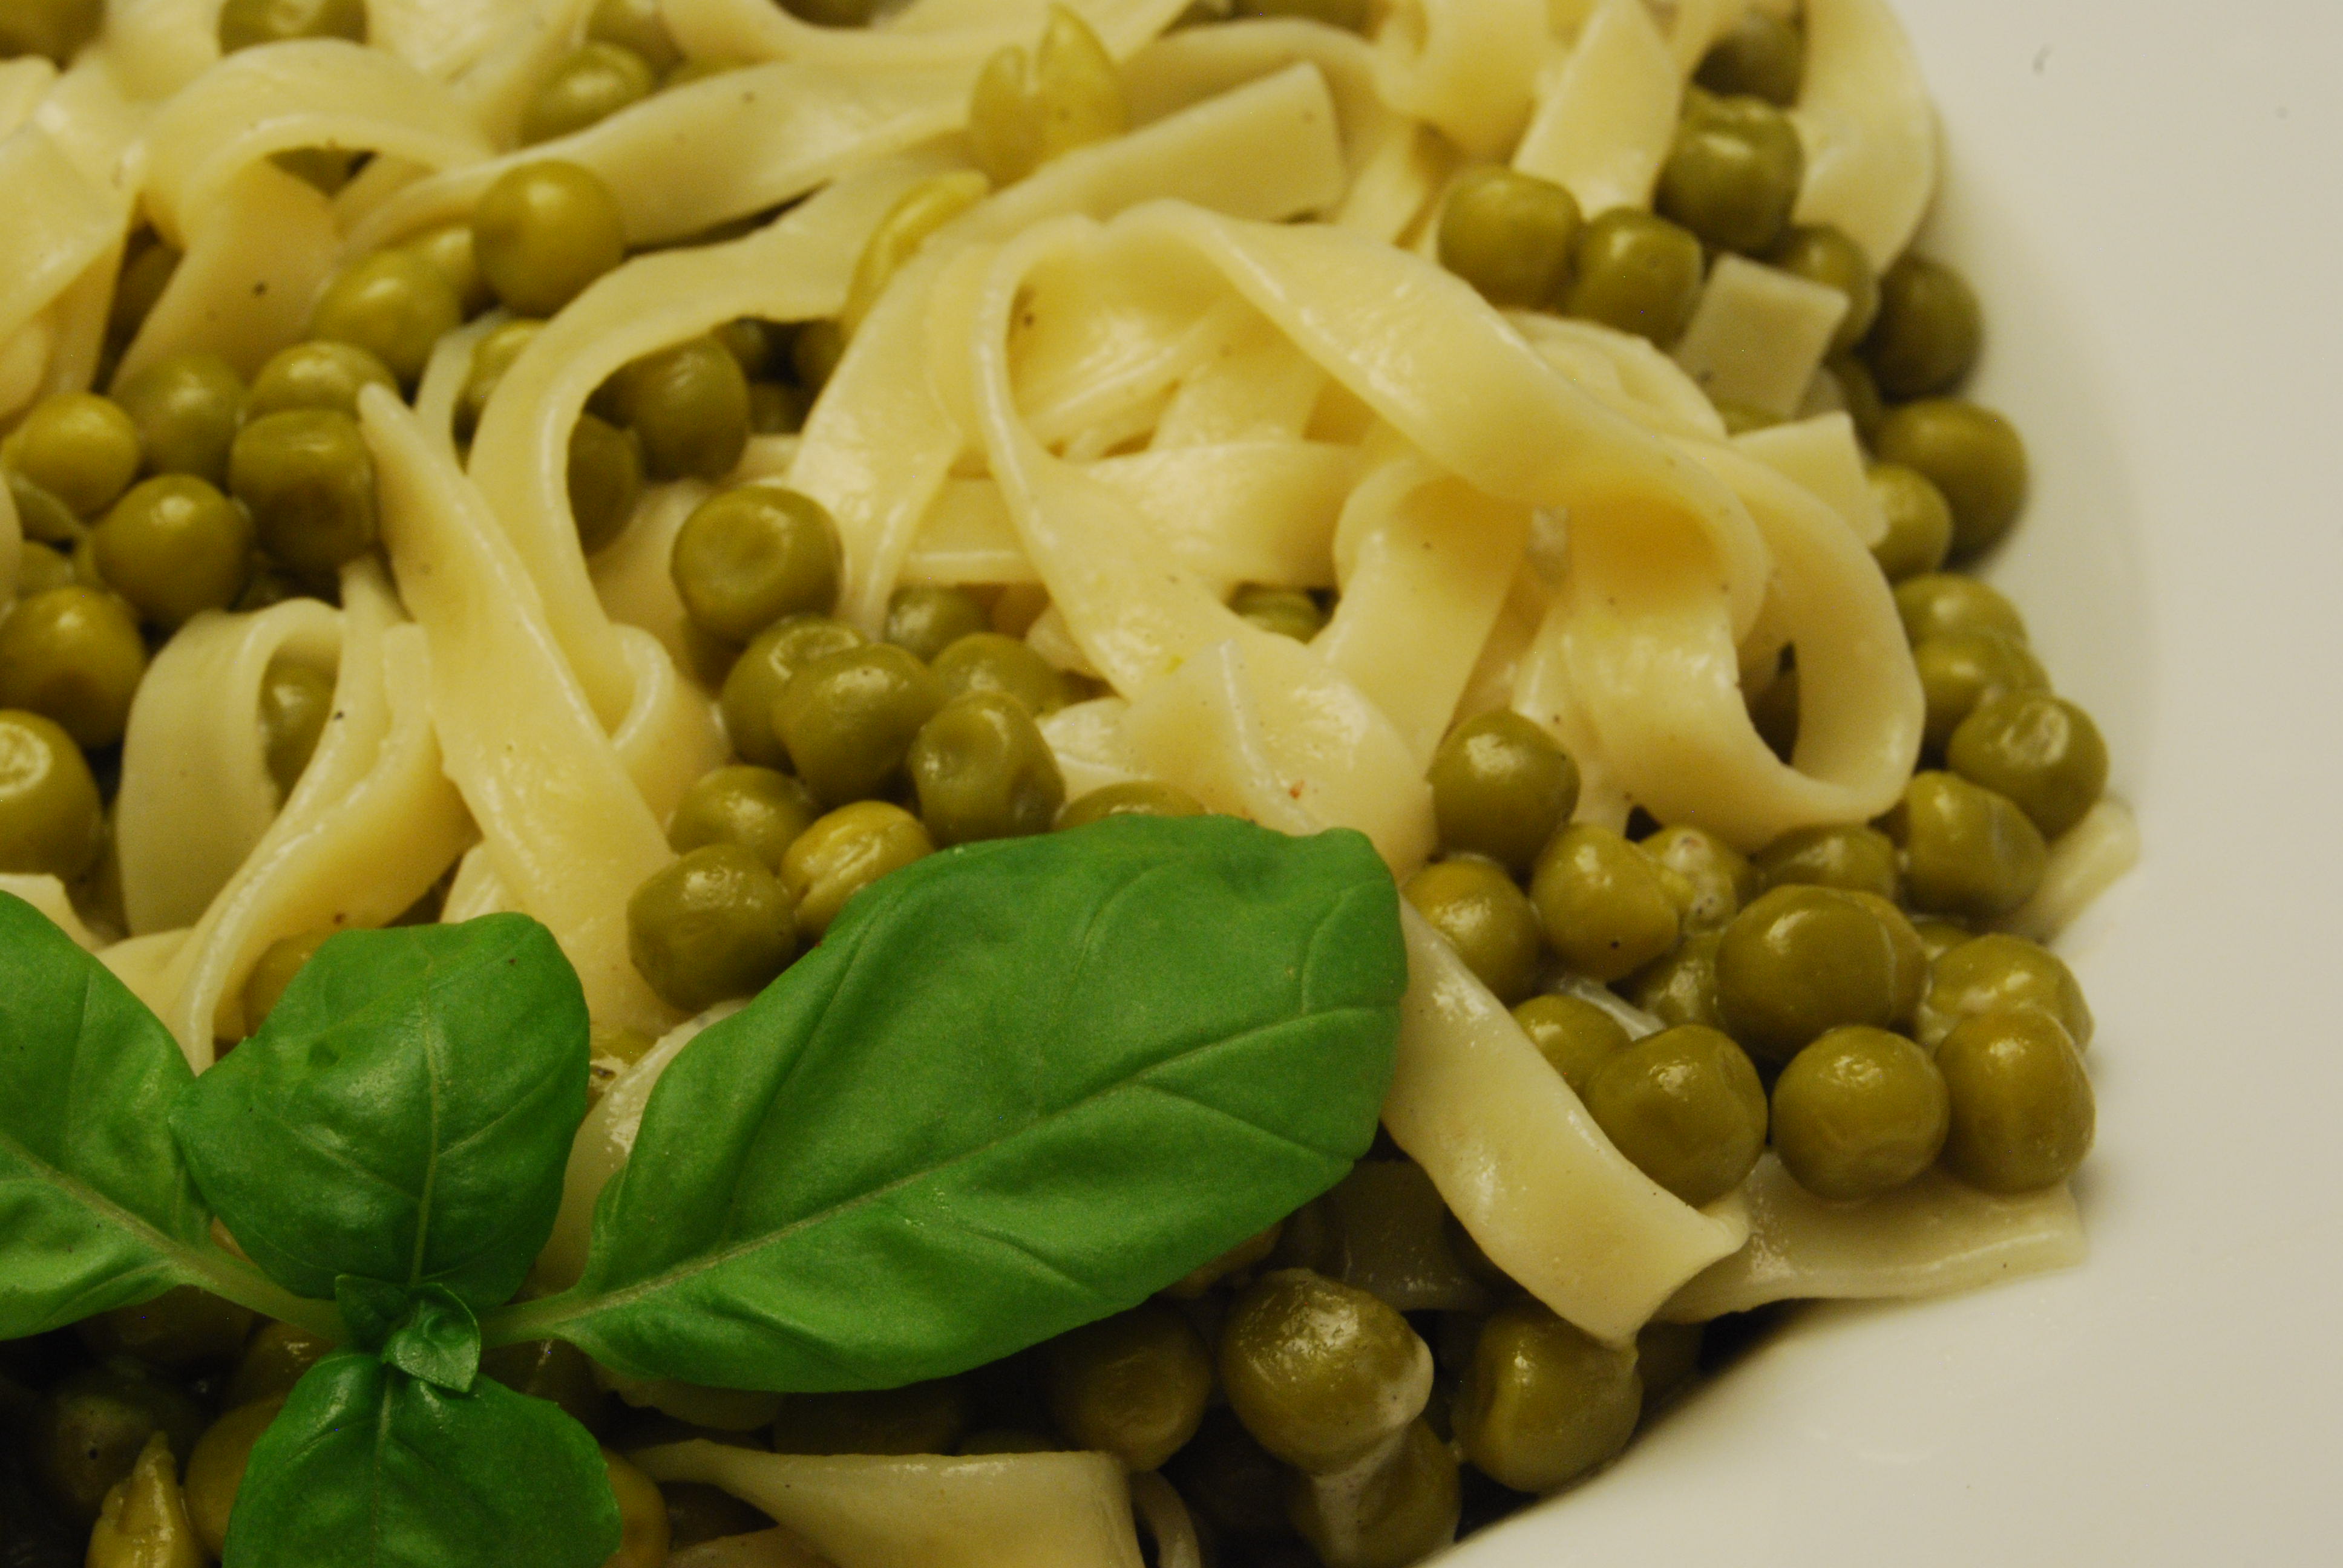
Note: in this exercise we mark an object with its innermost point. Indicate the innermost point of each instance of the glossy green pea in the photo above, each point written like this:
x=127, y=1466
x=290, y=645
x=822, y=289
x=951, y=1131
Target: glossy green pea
x=40, y=569
x=73, y=654
x=752, y=556
x=1968, y=852
x=1493, y=927
x=1759, y=57
x=928, y=620
x=185, y=407
x=1680, y=986
x=55, y=28
x=1938, y=603
x=758, y=808
x=448, y=251
x=1919, y=522
x=1937, y=938
x=1858, y=1112
x=1997, y=974
x=988, y=661
x=919, y=1418
x=1133, y=1385
x=1320, y=1372
x=492, y=356
x=763, y=671
x=316, y=375
x=274, y=970
x=51, y=822
x=543, y=232
x=41, y=515
x=983, y=771
x=1959, y=669
x=2041, y=751
x=1501, y=786
x=87, y=1432
x=1859, y=391
x=182, y=1329
x=1716, y=878
x=849, y=719
x=275, y=1359
x=594, y=82
x=1732, y=174
x=1801, y=961
x=749, y=341
x=175, y=547
x=1972, y=455
x=246, y=22
x=394, y=305
x=1404, y=1512
x=550, y=1370
x=308, y=478
x=1348, y=14
x=1604, y=905
x=2023, y=1114
x=605, y=478
x=1685, y=1106
x=637, y=27
x=1230, y=1480
x=1821, y=254
x=296, y=702
x=1573, y=1035
x=715, y=925
x=1636, y=272
x=1140, y=798
x=1853, y=857
x=1542, y=1403
x=217, y=1467
x=1928, y=330
x=80, y=447
x=846, y=851
x=1283, y=611
x=1510, y=235
x=689, y=405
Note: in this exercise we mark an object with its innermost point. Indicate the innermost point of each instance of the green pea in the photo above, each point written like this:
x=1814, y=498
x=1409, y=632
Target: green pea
x=1732, y=174
x=1928, y=330
x=1320, y=1372
x=715, y=925
x=55, y=28
x=1494, y=928
x=1133, y=1385
x=215, y=1469
x=637, y=25
x=51, y=822
x=1801, y=961
x=1968, y=852
x=1937, y=938
x=550, y=1370
x=763, y=671
x=186, y=407
x=448, y=251
x=1283, y=611
x=2022, y=1109
x=928, y=619
x=297, y=701
x=1604, y=906
x=1959, y=669
x=749, y=341
x=308, y=478
x=1856, y=859
x=1919, y=522
x=1716, y=878
x=1936, y=604
x=755, y=555
x=988, y=661
x=1348, y=14
x=274, y=970
x=593, y=83
x=1573, y=1034
x=1542, y=1403
x=1858, y=1112
x=41, y=515
x=1821, y=254
x=2041, y=751
x=74, y=655
x=543, y=232
x=394, y=305
x=849, y=719
x=275, y=1359
x=690, y=405
x=1685, y=1106
x=175, y=547
x=80, y=447
x=492, y=356
x=919, y=1418
x=40, y=569
x=1859, y=391
x=983, y=771
x=316, y=375
x=88, y=1430
x=1759, y=57
x=1139, y=797
x=1501, y=786
x=846, y=851
x=246, y=22
x=1636, y=272
x=182, y=1329
x=755, y=808
x=604, y=480
x=1972, y=455
x=1509, y=235
x=1680, y=987
x=1403, y=1514
x=1231, y=1480
x=1996, y=974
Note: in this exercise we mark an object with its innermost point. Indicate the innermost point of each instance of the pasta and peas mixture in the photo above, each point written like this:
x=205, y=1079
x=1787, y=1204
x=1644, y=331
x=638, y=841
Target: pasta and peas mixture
x=661, y=466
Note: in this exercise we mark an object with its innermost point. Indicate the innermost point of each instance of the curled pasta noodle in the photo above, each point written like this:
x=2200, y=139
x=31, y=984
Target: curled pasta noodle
x=925, y=34
x=62, y=219
x=1467, y=66
x=1604, y=121
x=1869, y=130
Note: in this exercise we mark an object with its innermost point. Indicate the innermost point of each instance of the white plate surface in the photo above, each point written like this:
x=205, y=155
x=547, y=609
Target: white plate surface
x=2150, y=198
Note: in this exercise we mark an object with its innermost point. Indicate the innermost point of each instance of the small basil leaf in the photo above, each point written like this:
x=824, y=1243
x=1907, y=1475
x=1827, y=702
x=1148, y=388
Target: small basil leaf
x=405, y=1113
x=1021, y=1085
x=95, y=1204
x=426, y=1333
x=368, y=1468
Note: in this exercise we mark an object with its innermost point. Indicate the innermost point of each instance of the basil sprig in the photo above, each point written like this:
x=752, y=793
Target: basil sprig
x=1021, y=1085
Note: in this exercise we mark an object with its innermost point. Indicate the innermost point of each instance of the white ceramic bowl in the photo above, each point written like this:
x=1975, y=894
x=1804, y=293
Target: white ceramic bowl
x=2150, y=198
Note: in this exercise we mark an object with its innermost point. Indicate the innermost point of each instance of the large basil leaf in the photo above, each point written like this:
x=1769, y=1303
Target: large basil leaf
x=1021, y=1085
x=405, y=1113
x=368, y=1468
x=95, y=1206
